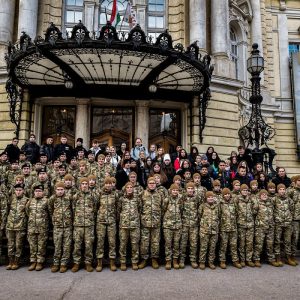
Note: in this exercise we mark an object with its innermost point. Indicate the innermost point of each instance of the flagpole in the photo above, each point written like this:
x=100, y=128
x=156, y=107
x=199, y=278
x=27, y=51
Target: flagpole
x=105, y=14
x=123, y=17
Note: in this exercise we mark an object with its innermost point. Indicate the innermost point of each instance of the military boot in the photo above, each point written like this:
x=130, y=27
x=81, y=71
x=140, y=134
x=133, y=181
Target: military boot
x=237, y=265
x=222, y=265
x=194, y=265
x=243, y=264
x=175, y=264
x=16, y=264
x=123, y=267
x=10, y=263
x=88, y=267
x=63, y=269
x=142, y=264
x=290, y=261
x=99, y=265
x=274, y=263
x=112, y=265
x=202, y=266
x=155, y=264
x=278, y=260
x=39, y=267
x=211, y=265
x=168, y=265
x=75, y=268
x=54, y=268
x=294, y=259
x=181, y=264
x=32, y=266
x=250, y=264
x=257, y=263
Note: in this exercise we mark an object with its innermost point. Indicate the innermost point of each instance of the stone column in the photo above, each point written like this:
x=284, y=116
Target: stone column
x=28, y=15
x=89, y=13
x=283, y=36
x=96, y=17
x=142, y=121
x=256, y=27
x=197, y=9
x=220, y=38
x=83, y=121
x=7, y=15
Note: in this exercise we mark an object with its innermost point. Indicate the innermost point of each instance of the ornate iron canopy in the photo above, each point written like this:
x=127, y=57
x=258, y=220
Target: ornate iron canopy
x=124, y=61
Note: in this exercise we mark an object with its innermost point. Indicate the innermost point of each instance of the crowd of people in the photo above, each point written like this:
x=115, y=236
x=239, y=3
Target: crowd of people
x=161, y=204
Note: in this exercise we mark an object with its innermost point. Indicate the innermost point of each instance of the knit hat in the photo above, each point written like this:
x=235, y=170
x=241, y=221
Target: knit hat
x=253, y=182
x=107, y=180
x=262, y=192
x=92, y=177
x=68, y=177
x=151, y=179
x=216, y=183
x=176, y=177
x=244, y=187
x=280, y=186
x=296, y=178
x=190, y=184
x=196, y=175
x=209, y=194
x=173, y=186
x=204, y=157
x=167, y=157
x=271, y=185
x=60, y=184
x=226, y=191
x=235, y=182
x=79, y=140
x=83, y=179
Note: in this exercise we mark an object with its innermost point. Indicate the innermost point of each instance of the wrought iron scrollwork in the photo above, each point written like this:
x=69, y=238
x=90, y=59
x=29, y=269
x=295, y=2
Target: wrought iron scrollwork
x=53, y=34
x=15, y=99
x=137, y=36
x=108, y=33
x=164, y=41
x=80, y=33
x=203, y=103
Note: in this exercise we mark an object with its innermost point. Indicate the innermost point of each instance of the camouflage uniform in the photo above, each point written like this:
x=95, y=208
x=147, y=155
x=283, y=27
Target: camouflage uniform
x=16, y=226
x=61, y=212
x=228, y=230
x=209, y=229
x=79, y=175
x=28, y=181
x=129, y=208
x=190, y=227
x=101, y=174
x=151, y=213
x=264, y=229
x=245, y=221
x=3, y=169
x=172, y=225
x=70, y=191
x=106, y=223
x=10, y=177
x=163, y=191
x=3, y=214
x=84, y=212
x=200, y=191
x=92, y=167
x=283, y=208
x=218, y=196
x=295, y=195
x=38, y=221
x=72, y=170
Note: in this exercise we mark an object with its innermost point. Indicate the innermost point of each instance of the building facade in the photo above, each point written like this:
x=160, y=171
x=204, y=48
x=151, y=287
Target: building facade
x=223, y=29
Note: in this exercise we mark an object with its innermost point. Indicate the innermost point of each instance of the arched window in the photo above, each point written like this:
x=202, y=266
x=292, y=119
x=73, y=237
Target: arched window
x=234, y=51
x=156, y=17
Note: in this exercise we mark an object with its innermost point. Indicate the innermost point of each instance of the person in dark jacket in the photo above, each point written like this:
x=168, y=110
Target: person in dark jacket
x=206, y=180
x=63, y=147
x=48, y=149
x=31, y=149
x=79, y=147
x=242, y=177
x=13, y=151
x=281, y=177
x=244, y=156
x=122, y=174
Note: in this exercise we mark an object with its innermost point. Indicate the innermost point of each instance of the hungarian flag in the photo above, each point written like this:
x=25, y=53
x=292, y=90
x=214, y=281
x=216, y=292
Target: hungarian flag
x=129, y=16
x=115, y=17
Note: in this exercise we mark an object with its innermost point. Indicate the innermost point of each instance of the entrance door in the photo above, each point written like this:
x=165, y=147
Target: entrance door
x=113, y=126
x=164, y=128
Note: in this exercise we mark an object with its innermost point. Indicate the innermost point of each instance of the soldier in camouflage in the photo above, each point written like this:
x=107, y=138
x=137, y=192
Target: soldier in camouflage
x=43, y=180
x=70, y=189
x=84, y=212
x=271, y=192
x=228, y=229
x=199, y=190
x=295, y=196
x=160, y=188
x=245, y=221
x=209, y=214
x=236, y=189
x=254, y=191
x=283, y=215
x=106, y=225
x=217, y=190
x=129, y=209
x=60, y=208
x=172, y=226
x=151, y=213
x=3, y=212
x=38, y=221
x=264, y=229
x=83, y=172
x=190, y=225
x=16, y=226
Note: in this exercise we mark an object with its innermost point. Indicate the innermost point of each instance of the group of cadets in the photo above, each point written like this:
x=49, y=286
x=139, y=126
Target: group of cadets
x=83, y=203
